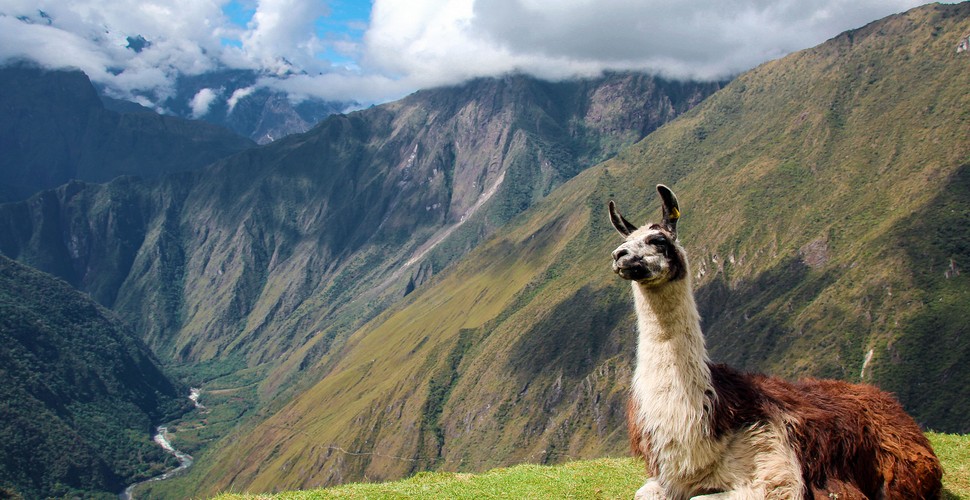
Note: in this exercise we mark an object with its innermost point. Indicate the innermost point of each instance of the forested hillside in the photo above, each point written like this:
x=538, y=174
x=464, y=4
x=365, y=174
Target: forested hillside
x=79, y=395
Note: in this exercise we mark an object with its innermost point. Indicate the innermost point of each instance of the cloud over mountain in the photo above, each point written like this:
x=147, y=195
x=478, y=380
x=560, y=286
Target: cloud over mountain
x=306, y=47
x=201, y=101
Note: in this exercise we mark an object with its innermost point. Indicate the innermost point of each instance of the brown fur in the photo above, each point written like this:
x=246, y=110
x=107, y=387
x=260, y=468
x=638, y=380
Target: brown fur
x=851, y=439
x=639, y=440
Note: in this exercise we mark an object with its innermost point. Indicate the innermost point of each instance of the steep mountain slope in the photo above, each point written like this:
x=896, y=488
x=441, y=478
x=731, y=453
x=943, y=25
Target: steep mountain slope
x=53, y=128
x=79, y=393
x=826, y=203
x=274, y=254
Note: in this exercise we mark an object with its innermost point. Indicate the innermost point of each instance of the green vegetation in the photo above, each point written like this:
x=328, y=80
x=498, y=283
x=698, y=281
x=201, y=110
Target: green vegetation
x=590, y=479
x=79, y=396
x=439, y=389
x=229, y=399
x=594, y=479
x=954, y=452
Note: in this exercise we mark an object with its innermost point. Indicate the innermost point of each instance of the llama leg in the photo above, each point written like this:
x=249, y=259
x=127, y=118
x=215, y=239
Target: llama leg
x=651, y=490
x=758, y=463
x=755, y=493
x=778, y=473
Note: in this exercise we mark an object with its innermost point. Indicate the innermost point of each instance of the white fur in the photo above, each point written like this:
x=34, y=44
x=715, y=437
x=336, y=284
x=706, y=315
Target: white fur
x=672, y=388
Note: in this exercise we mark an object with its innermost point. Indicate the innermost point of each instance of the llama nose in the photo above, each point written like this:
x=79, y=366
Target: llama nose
x=620, y=252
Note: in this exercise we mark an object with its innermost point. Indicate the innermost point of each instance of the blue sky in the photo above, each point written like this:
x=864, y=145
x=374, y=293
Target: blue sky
x=374, y=51
x=346, y=20
x=240, y=13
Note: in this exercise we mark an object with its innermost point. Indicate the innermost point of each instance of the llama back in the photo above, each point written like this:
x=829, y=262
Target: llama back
x=851, y=439
x=880, y=445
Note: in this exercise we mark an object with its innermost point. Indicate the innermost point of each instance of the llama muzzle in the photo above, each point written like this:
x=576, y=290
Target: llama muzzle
x=629, y=266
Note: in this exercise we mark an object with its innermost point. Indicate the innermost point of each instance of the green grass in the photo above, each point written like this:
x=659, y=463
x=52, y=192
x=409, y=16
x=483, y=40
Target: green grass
x=954, y=452
x=600, y=478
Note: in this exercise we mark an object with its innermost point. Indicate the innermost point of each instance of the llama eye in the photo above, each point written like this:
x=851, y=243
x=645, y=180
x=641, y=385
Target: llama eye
x=660, y=241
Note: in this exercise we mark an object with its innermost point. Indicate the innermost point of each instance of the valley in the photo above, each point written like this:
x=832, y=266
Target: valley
x=185, y=461
x=424, y=285
x=70, y=425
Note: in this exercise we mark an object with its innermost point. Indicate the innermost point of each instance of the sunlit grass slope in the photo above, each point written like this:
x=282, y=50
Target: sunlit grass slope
x=602, y=478
x=954, y=452
x=380, y=388
x=592, y=479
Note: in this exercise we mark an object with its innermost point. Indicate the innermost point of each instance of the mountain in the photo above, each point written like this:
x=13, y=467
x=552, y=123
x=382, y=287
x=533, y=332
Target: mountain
x=242, y=101
x=274, y=255
x=79, y=394
x=54, y=128
x=826, y=208
x=270, y=258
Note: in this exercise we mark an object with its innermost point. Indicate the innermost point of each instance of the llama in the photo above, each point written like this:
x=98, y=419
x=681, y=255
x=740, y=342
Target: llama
x=708, y=431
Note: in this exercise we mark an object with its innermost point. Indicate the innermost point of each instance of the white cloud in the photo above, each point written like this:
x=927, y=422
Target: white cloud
x=282, y=34
x=237, y=95
x=92, y=35
x=418, y=43
x=53, y=47
x=346, y=86
x=452, y=39
x=201, y=101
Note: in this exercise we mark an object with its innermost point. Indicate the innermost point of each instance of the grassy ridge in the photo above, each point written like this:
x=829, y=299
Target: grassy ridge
x=592, y=479
x=603, y=478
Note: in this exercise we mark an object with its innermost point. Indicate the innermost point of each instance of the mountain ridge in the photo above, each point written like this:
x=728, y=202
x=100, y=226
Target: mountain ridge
x=239, y=100
x=55, y=128
x=268, y=254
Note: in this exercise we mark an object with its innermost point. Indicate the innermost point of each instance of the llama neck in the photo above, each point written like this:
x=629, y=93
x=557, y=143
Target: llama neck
x=672, y=380
x=668, y=313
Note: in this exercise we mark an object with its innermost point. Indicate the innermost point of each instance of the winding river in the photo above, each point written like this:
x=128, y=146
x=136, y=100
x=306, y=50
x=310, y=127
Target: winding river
x=161, y=437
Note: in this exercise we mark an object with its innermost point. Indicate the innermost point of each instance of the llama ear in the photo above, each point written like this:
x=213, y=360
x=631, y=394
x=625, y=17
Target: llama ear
x=621, y=224
x=671, y=210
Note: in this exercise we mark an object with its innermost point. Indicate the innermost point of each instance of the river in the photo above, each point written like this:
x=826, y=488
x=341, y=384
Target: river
x=161, y=437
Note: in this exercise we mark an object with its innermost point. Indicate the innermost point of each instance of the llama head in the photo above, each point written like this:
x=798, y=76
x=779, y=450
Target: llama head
x=650, y=255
